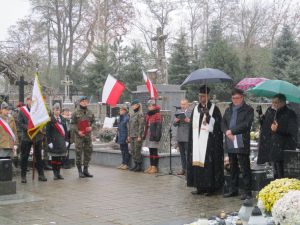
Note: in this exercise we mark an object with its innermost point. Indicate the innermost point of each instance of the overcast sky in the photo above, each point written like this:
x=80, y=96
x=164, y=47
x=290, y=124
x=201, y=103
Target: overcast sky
x=10, y=12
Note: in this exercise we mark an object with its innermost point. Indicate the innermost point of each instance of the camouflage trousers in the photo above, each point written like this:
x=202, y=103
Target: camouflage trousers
x=83, y=147
x=136, y=148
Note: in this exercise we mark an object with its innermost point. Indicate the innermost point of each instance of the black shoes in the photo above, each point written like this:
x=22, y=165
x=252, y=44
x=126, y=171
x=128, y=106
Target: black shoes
x=23, y=179
x=57, y=175
x=81, y=175
x=138, y=167
x=230, y=194
x=42, y=178
x=134, y=167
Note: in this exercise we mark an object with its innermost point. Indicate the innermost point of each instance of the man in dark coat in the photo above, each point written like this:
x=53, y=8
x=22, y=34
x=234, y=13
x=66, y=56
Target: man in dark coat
x=236, y=125
x=264, y=146
x=205, y=171
x=284, y=134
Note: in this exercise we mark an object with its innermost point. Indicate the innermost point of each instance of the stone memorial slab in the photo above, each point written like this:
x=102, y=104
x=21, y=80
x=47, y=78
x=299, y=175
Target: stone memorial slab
x=6, y=170
x=8, y=187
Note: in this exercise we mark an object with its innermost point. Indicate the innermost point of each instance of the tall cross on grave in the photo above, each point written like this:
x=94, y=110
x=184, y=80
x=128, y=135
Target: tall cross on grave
x=67, y=83
x=21, y=83
x=161, y=62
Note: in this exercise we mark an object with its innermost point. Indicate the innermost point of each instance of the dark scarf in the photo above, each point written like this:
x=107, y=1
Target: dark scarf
x=137, y=109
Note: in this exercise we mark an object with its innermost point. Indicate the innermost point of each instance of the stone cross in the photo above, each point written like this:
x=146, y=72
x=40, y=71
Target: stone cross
x=67, y=83
x=161, y=62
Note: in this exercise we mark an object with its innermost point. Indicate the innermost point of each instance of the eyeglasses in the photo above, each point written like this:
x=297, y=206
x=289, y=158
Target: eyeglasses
x=236, y=98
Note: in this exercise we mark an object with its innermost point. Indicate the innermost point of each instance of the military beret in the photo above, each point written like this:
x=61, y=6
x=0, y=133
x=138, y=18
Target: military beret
x=135, y=101
x=82, y=98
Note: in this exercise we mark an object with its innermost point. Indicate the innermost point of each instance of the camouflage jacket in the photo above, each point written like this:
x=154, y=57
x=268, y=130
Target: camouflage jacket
x=80, y=115
x=5, y=139
x=136, y=124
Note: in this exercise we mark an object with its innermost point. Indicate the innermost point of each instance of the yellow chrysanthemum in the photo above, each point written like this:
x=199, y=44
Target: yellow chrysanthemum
x=276, y=190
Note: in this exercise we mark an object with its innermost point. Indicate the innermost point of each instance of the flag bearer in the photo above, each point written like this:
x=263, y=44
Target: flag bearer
x=27, y=143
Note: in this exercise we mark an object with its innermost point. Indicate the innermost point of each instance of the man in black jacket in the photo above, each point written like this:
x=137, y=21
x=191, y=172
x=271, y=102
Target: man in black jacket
x=236, y=126
x=284, y=134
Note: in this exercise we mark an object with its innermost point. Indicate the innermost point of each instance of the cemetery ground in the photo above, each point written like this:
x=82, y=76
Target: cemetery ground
x=111, y=197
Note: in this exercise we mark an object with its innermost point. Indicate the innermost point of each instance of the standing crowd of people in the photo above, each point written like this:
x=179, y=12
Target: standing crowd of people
x=203, y=136
x=52, y=142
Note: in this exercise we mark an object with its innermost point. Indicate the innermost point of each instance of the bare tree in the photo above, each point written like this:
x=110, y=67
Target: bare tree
x=70, y=28
x=113, y=20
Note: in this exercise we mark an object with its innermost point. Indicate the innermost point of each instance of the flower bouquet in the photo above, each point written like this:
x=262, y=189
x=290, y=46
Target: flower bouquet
x=270, y=194
x=286, y=210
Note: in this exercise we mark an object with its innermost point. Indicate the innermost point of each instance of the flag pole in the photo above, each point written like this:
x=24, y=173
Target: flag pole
x=33, y=142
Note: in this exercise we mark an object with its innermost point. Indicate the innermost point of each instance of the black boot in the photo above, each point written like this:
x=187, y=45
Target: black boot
x=42, y=177
x=134, y=167
x=59, y=176
x=138, y=167
x=86, y=172
x=55, y=174
x=23, y=178
x=81, y=175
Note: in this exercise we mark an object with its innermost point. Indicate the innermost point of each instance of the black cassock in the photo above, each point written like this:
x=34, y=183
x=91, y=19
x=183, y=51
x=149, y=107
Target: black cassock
x=211, y=176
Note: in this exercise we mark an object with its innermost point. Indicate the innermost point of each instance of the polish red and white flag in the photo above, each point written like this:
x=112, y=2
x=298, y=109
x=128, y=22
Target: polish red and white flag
x=112, y=91
x=150, y=87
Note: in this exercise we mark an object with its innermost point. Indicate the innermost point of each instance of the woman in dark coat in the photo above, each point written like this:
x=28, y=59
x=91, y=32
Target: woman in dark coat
x=56, y=131
x=264, y=146
x=122, y=137
x=152, y=136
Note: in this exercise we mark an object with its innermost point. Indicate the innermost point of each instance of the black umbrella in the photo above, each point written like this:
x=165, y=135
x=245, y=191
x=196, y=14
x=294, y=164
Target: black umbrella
x=207, y=75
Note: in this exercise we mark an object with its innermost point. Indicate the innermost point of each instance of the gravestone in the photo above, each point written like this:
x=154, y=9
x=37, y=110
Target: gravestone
x=292, y=157
x=7, y=186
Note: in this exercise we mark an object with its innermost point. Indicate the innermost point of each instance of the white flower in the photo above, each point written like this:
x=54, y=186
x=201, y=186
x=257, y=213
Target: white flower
x=286, y=210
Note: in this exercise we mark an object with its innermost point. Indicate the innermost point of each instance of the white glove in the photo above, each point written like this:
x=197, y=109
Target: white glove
x=50, y=145
x=67, y=144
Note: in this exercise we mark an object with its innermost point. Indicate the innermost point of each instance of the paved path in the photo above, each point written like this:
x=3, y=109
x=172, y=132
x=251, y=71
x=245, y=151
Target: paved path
x=112, y=197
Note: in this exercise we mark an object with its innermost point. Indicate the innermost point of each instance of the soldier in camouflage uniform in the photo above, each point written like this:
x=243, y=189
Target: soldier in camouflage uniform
x=83, y=138
x=135, y=134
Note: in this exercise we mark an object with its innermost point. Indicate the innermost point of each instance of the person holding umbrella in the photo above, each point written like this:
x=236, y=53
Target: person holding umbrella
x=284, y=134
x=236, y=125
x=205, y=155
x=283, y=125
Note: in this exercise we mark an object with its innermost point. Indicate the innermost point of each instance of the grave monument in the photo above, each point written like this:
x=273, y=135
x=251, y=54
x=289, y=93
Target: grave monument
x=169, y=95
